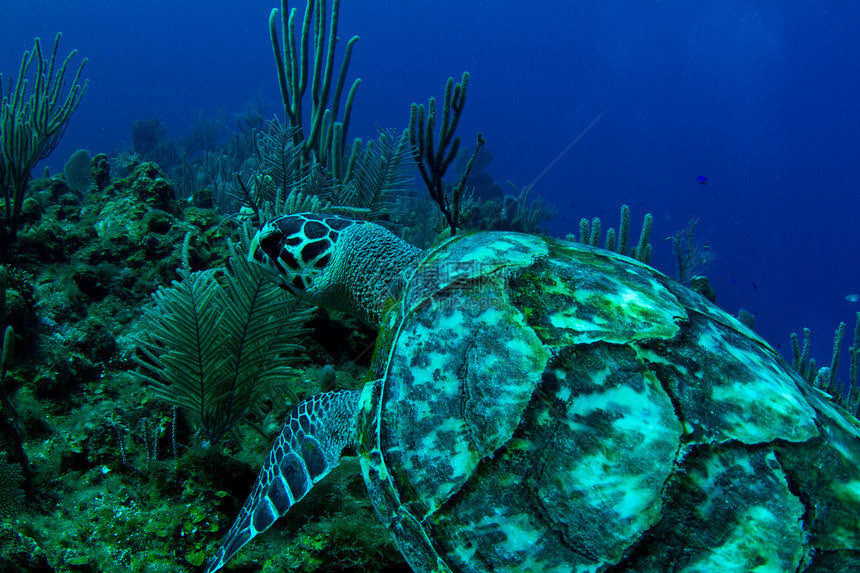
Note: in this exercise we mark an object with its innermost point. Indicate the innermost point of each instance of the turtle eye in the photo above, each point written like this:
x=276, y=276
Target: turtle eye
x=270, y=246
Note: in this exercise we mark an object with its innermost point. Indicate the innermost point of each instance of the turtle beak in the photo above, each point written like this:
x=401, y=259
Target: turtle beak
x=255, y=252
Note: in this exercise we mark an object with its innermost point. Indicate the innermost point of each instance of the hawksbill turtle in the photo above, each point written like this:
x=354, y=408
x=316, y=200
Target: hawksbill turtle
x=540, y=405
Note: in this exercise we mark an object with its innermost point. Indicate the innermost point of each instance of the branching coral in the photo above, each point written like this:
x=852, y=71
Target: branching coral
x=324, y=139
x=826, y=378
x=376, y=175
x=216, y=350
x=590, y=234
x=33, y=122
x=432, y=156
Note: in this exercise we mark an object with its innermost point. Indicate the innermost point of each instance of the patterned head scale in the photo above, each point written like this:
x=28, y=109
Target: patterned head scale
x=298, y=248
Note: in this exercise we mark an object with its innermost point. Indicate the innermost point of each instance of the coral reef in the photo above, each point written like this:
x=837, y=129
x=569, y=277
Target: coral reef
x=100, y=171
x=115, y=478
x=11, y=492
x=77, y=171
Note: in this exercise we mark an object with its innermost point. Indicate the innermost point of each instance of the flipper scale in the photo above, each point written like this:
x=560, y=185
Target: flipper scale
x=307, y=449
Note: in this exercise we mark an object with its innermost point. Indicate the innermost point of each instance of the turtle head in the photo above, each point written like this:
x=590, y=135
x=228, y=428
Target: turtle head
x=299, y=250
x=335, y=262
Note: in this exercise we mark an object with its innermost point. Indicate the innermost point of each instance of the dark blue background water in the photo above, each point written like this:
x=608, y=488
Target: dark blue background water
x=762, y=97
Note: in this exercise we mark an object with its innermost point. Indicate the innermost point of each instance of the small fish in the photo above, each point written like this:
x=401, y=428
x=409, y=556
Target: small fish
x=853, y=298
x=702, y=179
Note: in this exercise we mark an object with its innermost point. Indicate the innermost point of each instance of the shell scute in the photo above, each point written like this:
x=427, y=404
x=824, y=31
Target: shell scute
x=727, y=387
x=452, y=393
x=825, y=470
x=465, y=259
x=713, y=525
x=581, y=295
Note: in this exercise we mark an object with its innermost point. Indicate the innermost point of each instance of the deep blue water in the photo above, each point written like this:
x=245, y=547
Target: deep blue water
x=760, y=96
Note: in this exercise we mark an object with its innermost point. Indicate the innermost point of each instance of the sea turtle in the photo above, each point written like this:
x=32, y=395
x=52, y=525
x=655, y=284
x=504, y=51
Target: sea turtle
x=540, y=405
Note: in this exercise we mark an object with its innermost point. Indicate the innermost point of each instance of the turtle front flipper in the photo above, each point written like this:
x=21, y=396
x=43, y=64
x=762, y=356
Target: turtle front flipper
x=307, y=449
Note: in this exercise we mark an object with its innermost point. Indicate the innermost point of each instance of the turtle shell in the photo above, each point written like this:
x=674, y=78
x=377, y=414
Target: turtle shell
x=548, y=406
